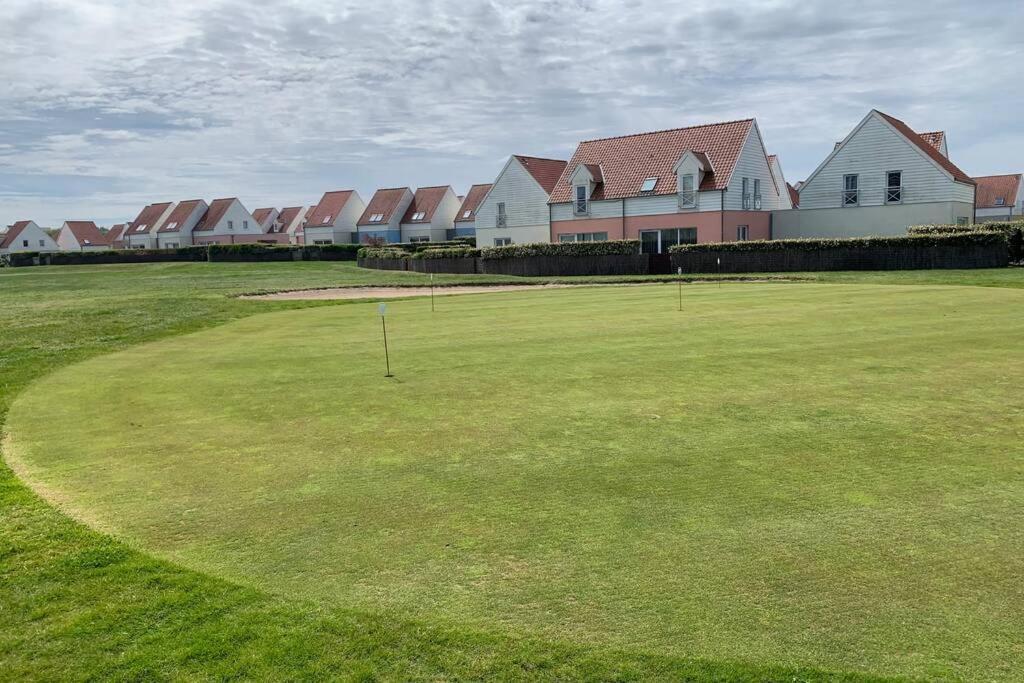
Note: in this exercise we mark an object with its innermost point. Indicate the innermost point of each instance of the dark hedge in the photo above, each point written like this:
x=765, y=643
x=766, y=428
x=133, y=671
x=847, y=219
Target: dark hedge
x=608, y=248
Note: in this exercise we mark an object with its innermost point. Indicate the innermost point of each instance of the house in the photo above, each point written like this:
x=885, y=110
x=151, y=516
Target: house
x=465, y=217
x=227, y=222
x=515, y=209
x=879, y=180
x=81, y=236
x=176, y=230
x=794, y=196
x=785, y=196
x=288, y=224
x=142, y=232
x=999, y=197
x=265, y=218
x=430, y=215
x=333, y=219
x=114, y=236
x=381, y=220
x=26, y=236
x=706, y=183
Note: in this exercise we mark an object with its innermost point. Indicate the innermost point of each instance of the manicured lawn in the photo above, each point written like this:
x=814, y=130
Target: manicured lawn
x=581, y=483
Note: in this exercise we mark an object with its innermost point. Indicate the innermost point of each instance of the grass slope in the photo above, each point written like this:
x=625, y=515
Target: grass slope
x=78, y=605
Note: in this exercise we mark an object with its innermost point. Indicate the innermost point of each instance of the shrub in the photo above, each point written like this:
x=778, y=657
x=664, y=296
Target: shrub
x=865, y=243
x=382, y=253
x=608, y=248
x=447, y=252
x=1013, y=230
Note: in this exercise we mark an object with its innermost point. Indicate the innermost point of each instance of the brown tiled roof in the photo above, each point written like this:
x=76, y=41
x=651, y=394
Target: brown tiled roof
x=794, y=196
x=627, y=160
x=916, y=140
x=545, y=171
x=934, y=139
x=218, y=207
x=12, y=233
x=991, y=187
x=179, y=215
x=287, y=215
x=114, y=233
x=86, y=233
x=473, y=198
x=325, y=213
x=383, y=202
x=426, y=200
x=147, y=218
x=261, y=215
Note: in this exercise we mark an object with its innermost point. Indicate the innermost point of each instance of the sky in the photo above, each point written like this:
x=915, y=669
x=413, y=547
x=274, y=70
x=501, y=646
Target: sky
x=109, y=106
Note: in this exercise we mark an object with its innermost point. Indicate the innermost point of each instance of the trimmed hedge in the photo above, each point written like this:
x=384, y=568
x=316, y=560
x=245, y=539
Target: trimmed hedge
x=213, y=252
x=607, y=248
x=447, y=253
x=1014, y=231
x=968, y=249
x=382, y=253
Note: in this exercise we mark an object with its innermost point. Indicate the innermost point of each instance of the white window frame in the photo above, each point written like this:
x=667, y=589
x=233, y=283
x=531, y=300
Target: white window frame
x=419, y=238
x=687, y=198
x=745, y=194
x=757, y=194
x=502, y=241
x=467, y=214
x=580, y=201
x=1000, y=201
x=893, y=193
x=231, y=225
x=851, y=196
x=652, y=181
x=501, y=217
x=742, y=233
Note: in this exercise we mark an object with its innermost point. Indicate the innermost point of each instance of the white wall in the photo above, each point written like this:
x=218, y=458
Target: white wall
x=753, y=164
x=182, y=237
x=523, y=234
x=242, y=222
x=526, y=208
x=444, y=214
x=37, y=238
x=865, y=221
x=784, y=202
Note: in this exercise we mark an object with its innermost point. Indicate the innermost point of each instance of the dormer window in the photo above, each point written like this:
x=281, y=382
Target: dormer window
x=580, y=205
x=648, y=184
x=1000, y=201
x=687, y=193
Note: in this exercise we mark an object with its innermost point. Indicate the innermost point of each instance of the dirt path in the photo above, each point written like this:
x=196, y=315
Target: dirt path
x=398, y=292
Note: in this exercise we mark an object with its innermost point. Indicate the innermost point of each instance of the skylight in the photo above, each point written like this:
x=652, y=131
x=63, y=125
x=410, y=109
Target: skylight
x=648, y=184
x=172, y=226
x=418, y=216
x=376, y=218
x=466, y=214
x=1000, y=201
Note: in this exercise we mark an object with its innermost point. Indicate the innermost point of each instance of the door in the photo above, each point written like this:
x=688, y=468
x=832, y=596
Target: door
x=650, y=242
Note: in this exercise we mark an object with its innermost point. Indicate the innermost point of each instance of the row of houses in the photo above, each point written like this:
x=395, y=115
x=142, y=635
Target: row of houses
x=707, y=183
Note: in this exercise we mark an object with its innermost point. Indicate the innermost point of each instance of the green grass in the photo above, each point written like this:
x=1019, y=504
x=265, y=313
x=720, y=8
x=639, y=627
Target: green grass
x=838, y=496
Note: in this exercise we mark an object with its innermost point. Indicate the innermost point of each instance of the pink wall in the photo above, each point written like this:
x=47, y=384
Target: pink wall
x=277, y=238
x=709, y=225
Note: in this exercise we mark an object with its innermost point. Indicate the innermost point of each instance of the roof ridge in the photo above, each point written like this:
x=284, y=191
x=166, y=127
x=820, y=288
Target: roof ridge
x=386, y=189
x=667, y=130
x=433, y=187
x=530, y=156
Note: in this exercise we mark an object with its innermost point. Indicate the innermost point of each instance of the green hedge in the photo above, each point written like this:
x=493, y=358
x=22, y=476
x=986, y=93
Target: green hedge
x=608, y=248
x=447, y=252
x=865, y=243
x=382, y=253
x=1013, y=230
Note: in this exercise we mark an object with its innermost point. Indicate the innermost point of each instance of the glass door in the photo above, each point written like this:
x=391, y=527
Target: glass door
x=650, y=242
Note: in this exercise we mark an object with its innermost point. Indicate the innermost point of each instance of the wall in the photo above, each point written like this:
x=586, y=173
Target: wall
x=526, y=208
x=525, y=234
x=332, y=235
x=434, y=234
x=863, y=221
x=752, y=163
x=34, y=234
x=378, y=234
x=709, y=224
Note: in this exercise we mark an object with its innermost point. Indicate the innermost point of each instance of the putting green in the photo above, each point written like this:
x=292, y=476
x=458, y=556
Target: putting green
x=814, y=474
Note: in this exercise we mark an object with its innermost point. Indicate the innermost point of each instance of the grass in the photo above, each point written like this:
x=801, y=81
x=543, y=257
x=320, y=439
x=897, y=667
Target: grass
x=838, y=497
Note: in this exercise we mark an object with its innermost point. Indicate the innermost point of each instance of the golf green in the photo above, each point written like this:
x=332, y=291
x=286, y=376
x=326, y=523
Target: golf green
x=829, y=475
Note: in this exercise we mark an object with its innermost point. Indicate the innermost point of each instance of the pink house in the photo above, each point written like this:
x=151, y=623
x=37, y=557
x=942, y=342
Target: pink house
x=708, y=183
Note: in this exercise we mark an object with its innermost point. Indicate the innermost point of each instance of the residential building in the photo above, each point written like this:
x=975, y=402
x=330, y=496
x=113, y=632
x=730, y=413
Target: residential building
x=999, y=197
x=81, y=236
x=785, y=196
x=333, y=219
x=265, y=218
x=515, y=209
x=706, y=183
x=142, y=232
x=26, y=236
x=794, y=196
x=430, y=215
x=381, y=220
x=288, y=224
x=227, y=222
x=879, y=180
x=176, y=230
x=115, y=236
x=465, y=217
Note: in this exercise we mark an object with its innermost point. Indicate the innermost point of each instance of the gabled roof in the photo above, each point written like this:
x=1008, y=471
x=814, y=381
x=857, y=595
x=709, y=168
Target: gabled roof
x=425, y=201
x=935, y=139
x=287, y=216
x=218, y=207
x=114, y=233
x=326, y=212
x=627, y=160
x=12, y=233
x=383, y=202
x=147, y=218
x=545, y=171
x=990, y=187
x=179, y=215
x=794, y=195
x=925, y=147
x=473, y=198
x=261, y=215
x=86, y=233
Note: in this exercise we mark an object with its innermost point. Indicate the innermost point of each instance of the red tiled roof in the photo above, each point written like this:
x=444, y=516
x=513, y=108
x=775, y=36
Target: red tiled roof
x=915, y=139
x=383, y=202
x=114, y=233
x=180, y=214
x=794, y=195
x=147, y=218
x=218, y=207
x=934, y=139
x=426, y=200
x=86, y=233
x=991, y=187
x=260, y=215
x=287, y=215
x=326, y=212
x=12, y=233
x=627, y=160
x=545, y=171
x=473, y=198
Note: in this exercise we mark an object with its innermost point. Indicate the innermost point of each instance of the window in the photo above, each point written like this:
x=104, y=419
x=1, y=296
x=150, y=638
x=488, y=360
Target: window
x=172, y=226
x=961, y=220
x=659, y=241
x=687, y=196
x=501, y=220
x=327, y=242
x=567, y=237
x=580, y=205
x=1000, y=201
x=420, y=238
x=746, y=193
x=376, y=218
x=893, y=187
x=245, y=225
x=583, y=237
x=42, y=243
x=757, y=194
x=851, y=194
x=327, y=219
x=171, y=245
x=418, y=216
x=648, y=184
x=24, y=243
x=502, y=241
x=231, y=225
x=742, y=233
x=466, y=214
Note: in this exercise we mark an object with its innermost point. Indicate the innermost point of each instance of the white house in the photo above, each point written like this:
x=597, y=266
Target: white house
x=142, y=232
x=266, y=217
x=999, y=197
x=515, y=208
x=26, y=236
x=382, y=218
x=430, y=215
x=879, y=180
x=465, y=217
x=288, y=224
x=785, y=197
x=333, y=219
x=81, y=236
x=176, y=230
x=227, y=222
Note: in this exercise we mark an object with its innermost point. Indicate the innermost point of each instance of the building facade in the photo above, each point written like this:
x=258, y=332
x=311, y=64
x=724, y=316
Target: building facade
x=515, y=209
x=382, y=218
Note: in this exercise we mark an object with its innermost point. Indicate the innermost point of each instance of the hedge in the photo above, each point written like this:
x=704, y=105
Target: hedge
x=447, y=253
x=607, y=248
x=382, y=253
x=1014, y=231
x=212, y=252
x=967, y=249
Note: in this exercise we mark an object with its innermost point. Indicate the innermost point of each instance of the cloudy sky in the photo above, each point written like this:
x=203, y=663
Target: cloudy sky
x=107, y=106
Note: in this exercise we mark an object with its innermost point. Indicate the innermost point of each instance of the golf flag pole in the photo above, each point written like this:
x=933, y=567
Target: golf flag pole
x=382, y=309
x=431, y=292
x=719, y=272
x=680, y=271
